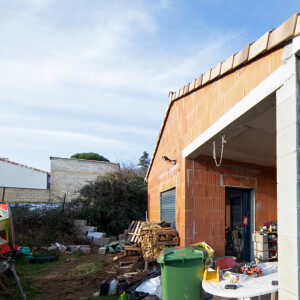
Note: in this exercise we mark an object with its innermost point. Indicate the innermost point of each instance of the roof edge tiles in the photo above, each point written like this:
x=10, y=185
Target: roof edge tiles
x=259, y=46
x=286, y=31
x=266, y=42
x=206, y=77
x=23, y=166
x=283, y=32
x=297, y=30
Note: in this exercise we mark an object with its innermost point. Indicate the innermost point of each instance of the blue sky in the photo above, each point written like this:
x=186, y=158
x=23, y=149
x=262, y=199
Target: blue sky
x=94, y=76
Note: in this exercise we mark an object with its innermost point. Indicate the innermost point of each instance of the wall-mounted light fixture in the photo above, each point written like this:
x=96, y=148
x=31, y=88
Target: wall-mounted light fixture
x=170, y=161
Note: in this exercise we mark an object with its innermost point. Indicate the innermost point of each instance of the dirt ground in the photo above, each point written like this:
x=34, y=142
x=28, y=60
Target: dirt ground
x=70, y=279
x=66, y=282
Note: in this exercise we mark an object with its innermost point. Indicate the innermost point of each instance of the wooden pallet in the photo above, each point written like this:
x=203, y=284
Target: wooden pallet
x=134, y=230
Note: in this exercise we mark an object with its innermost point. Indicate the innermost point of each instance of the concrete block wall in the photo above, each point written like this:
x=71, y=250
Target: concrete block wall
x=25, y=195
x=288, y=177
x=69, y=175
x=188, y=118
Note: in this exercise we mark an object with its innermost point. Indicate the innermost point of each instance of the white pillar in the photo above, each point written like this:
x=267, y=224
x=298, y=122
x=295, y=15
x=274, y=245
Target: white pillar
x=288, y=178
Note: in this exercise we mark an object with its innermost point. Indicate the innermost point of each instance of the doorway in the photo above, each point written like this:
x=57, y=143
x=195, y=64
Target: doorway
x=238, y=223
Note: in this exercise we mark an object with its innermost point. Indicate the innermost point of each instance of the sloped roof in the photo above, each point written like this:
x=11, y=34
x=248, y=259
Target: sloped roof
x=23, y=166
x=286, y=31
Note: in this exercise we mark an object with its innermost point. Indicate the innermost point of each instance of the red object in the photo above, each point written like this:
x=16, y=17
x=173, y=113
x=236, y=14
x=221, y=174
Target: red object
x=226, y=262
x=245, y=220
x=251, y=269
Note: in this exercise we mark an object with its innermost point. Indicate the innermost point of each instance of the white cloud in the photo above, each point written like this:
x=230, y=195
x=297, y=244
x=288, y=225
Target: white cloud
x=98, y=72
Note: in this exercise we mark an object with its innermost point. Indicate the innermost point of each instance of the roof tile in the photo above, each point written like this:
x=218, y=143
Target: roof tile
x=192, y=85
x=297, y=30
x=227, y=65
x=186, y=89
x=206, y=77
x=180, y=93
x=198, y=81
x=259, y=46
x=215, y=72
x=283, y=32
x=241, y=57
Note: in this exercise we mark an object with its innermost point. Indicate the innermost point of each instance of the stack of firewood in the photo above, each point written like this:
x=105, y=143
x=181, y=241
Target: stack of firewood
x=154, y=239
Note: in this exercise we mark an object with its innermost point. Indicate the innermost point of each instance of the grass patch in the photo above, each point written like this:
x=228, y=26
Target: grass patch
x=31, y=275
x=89, y=269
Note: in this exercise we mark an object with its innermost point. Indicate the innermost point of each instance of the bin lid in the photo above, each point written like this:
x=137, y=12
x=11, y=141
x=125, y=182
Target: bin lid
x=180, y=254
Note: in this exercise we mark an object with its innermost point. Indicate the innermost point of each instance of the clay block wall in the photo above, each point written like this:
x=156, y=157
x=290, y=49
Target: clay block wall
x=24, y=195
x=205, y=197
x=185, y=120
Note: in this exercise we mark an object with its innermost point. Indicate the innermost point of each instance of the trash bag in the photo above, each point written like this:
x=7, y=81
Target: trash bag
x=151, y=286
x=104, y=288
x=115, y=246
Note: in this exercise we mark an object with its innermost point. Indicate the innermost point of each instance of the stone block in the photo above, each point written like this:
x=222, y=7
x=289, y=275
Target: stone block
x=80, y=222
x=104, y=241
x=89, y=238
x=85, y=250
x=102, y=250
x=96, y=234
x=86, y=229
x=112, y=239
x=100, y=241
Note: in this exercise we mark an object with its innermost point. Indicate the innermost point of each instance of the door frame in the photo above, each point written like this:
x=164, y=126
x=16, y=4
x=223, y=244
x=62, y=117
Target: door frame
x=251, y=217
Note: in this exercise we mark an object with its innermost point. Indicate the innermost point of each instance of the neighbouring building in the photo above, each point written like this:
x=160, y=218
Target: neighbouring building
x=22, y=183
x=249, y=106
x=68, y=175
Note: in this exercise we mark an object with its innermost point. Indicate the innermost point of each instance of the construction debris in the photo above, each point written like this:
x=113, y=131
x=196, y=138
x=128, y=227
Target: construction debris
x=143, y=243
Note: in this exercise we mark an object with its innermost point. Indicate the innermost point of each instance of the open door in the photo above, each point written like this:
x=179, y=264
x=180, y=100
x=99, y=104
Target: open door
x=238, y=227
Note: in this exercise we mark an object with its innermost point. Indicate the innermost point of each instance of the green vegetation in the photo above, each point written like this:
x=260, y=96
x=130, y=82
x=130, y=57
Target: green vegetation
x=144, y=162
x=90, y=156
x=41, y=226
x=88, y=269
x=112, y=201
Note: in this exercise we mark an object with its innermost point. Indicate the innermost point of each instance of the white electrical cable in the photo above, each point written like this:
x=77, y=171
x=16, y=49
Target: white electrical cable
x=214, y=151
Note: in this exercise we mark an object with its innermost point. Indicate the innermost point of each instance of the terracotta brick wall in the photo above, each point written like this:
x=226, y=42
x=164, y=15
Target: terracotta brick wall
x=205, y=197
x=187, y=119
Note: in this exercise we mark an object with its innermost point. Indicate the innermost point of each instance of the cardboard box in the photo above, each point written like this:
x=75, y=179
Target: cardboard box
x=261, y=255
x=260, y=238
x=260, y=246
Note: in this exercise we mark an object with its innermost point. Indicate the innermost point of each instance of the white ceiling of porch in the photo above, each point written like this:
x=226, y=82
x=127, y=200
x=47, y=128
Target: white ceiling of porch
x=251, y=138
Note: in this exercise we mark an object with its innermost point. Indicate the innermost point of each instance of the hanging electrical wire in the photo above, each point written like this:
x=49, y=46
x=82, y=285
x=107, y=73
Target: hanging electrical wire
x=218, y=164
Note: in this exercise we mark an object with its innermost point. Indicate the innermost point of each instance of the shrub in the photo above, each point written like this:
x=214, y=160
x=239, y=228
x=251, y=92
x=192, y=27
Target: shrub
x=41, y=225
x=112, y=201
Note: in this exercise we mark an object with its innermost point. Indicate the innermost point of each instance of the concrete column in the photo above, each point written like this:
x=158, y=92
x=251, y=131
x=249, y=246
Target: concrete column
x=288, y=177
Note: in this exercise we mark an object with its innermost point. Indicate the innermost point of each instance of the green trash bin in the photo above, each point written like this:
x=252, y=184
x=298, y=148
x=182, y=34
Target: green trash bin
x=182, y=271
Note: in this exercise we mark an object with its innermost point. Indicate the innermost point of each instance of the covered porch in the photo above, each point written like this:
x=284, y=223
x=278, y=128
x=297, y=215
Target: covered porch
x=261, y=155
